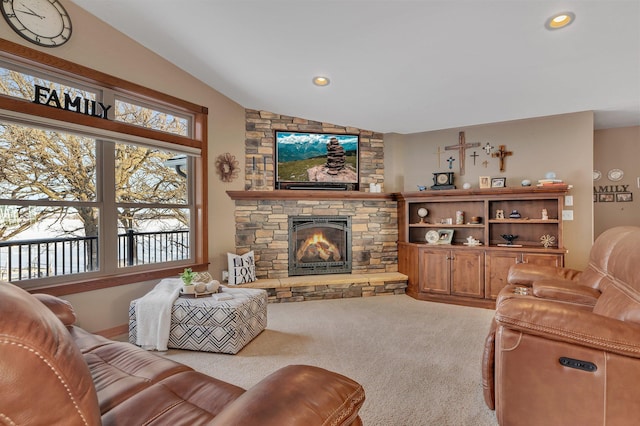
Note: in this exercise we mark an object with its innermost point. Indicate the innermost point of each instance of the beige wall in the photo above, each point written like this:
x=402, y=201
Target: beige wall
x=562, y=144
x=96, y=45
x=617, y=149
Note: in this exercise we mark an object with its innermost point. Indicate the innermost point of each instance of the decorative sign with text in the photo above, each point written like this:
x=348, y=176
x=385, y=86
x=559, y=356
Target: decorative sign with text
x=50, y=97
x=612, y=193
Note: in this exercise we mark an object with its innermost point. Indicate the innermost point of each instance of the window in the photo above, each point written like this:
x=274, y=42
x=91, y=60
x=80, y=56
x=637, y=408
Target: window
x=129, y=112
x=153, y=205
x=92, y=195
x=50, y=210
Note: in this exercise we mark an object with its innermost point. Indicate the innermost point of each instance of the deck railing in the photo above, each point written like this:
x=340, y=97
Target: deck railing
x=48, y=257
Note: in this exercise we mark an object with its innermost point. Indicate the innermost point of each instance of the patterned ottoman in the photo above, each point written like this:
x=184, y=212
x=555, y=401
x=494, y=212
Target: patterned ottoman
x=205, y=324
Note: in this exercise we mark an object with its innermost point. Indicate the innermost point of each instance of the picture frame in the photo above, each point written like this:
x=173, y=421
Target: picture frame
x=446, y=236
x=485, y=182
x=499, y=182
x=606, y=198
x=624, y=197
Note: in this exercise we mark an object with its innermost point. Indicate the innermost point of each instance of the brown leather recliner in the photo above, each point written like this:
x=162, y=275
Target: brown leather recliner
x=564, y=346
x=54, y=373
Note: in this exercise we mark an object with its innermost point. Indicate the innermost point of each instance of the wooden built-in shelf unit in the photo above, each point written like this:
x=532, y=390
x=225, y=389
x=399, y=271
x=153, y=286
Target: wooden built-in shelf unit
x=473, y=275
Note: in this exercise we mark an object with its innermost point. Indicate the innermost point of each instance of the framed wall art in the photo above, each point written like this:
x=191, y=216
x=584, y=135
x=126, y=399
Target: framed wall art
x=499, y=182
x=485, y=182
x=624, y=197
x=446, y=235
x=606, y=198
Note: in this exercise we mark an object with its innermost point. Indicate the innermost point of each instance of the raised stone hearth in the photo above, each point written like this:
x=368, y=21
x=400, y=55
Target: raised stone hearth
x=333, y=286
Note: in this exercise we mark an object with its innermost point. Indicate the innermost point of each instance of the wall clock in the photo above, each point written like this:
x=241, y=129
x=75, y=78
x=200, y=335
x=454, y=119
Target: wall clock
x=43, y=22
x=443, y=180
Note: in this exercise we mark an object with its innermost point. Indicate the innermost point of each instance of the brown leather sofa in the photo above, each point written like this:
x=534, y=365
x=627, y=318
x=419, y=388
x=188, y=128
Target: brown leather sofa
x=55, y=373
x=564, y=346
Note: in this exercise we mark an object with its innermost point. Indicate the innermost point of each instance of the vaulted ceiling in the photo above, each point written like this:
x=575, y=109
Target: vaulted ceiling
x=401, y=66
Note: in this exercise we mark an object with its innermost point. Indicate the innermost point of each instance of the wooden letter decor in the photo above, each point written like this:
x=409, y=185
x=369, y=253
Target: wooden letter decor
x=501, y=154
x=461, y=147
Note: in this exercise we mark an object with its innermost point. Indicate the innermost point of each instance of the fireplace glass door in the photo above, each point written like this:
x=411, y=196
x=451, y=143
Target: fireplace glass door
x=319, y=245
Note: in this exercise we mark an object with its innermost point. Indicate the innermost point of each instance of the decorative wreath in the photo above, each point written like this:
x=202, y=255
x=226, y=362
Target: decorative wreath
x=227, y=167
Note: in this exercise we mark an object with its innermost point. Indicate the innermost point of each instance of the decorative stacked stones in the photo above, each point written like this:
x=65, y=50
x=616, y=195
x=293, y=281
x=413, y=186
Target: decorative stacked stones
x=335, y=157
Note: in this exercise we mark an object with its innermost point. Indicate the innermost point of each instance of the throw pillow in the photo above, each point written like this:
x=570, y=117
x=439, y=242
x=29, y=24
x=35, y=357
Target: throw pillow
x=242, y=269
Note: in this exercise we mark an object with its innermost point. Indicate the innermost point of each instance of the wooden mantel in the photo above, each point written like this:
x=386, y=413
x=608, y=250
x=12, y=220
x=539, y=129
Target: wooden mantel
x=314, y=194
x=310, y=194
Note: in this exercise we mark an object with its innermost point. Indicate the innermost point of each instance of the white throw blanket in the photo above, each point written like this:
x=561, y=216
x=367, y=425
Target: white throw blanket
x=153, y=314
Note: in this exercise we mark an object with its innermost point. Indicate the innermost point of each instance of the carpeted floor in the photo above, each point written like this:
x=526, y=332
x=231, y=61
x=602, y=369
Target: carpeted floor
x=419, y=362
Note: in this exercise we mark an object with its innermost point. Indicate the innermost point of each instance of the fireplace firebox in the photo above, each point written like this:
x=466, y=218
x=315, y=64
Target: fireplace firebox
x=319, y=245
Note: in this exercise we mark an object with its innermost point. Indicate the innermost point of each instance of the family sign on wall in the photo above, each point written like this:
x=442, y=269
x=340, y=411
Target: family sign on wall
x=619, y=192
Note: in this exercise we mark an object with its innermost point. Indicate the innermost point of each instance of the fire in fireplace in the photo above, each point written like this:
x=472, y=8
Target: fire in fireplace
x=319, y=245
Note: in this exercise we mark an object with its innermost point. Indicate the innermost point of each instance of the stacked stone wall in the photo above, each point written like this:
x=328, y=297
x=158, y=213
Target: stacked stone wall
x=260, y=148
x=262, y=226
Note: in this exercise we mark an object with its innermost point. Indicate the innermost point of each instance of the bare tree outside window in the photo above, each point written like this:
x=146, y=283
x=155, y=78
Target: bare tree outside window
x=50, y=183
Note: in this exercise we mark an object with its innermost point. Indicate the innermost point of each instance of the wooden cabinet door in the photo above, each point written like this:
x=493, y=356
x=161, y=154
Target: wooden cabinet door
x=434, y=271
x=467, y=268
x=497, y=266
x=543, y=259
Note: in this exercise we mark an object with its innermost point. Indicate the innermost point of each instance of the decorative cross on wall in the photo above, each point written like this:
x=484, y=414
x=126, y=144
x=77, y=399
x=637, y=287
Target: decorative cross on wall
x=438, y=152
x=461, y=147
x=450, y=160
x=501, y=154
x=488, y=148
x=474, y=155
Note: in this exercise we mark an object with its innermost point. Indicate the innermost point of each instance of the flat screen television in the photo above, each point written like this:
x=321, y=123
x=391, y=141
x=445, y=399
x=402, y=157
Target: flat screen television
x=316, y=161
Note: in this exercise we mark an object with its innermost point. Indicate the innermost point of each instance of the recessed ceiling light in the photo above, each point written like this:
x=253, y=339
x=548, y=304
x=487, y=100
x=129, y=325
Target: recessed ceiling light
x=321, y=81
x=560, y=20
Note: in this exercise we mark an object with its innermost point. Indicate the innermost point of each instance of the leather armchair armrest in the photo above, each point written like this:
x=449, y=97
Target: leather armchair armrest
x=296, y=395
x=60, y=307
x=528, y=273
x=570, y=324
x=566, y=291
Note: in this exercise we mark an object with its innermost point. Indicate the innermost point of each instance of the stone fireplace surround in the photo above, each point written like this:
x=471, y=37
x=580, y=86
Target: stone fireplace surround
x=261, y=217
x=262, y=226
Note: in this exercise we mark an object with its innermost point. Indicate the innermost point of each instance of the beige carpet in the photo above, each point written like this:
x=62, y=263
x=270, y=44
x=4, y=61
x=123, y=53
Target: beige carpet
x=419, y=362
